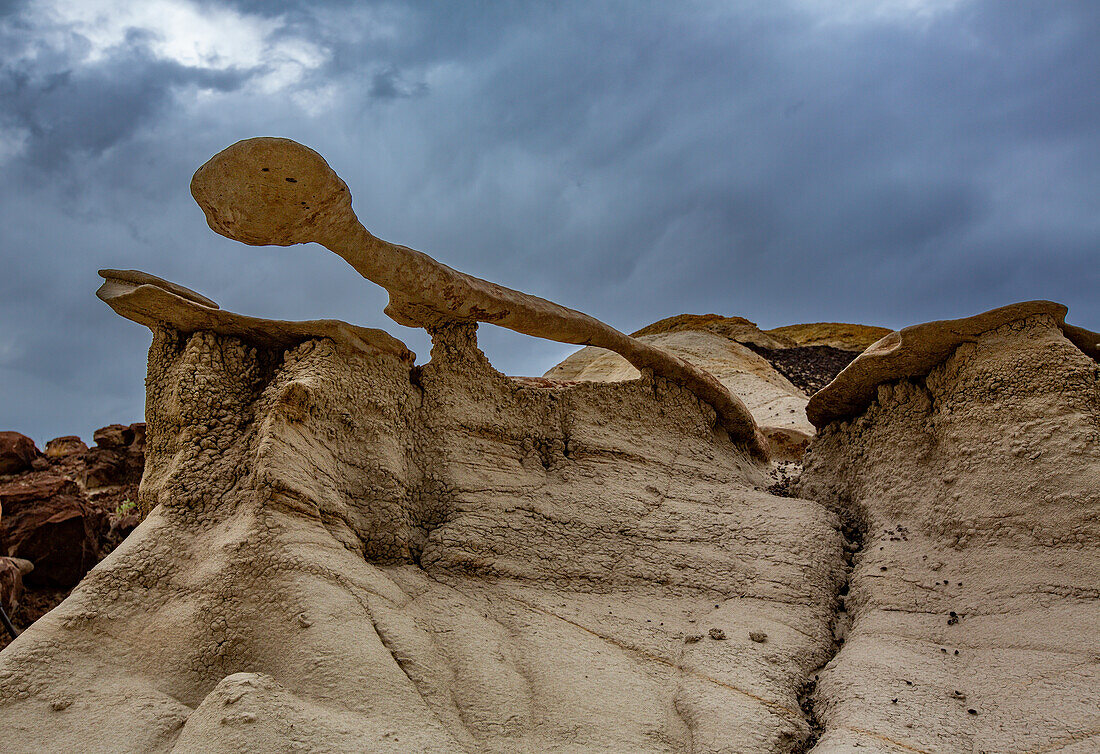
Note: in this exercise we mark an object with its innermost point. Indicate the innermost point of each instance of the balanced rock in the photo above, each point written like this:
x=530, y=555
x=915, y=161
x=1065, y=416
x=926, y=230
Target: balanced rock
x=271, y=191
x=345, y=551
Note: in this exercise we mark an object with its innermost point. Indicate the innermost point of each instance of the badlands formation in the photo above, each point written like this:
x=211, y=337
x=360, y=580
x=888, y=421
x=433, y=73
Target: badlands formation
x=345, y=552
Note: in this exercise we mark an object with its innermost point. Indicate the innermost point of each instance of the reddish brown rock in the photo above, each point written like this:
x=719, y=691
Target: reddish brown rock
x=137, y=445
x=17, y=452
x=105, y=468
x=113, y=436
x=118, y=457
x=49, y=521
x=61, y=447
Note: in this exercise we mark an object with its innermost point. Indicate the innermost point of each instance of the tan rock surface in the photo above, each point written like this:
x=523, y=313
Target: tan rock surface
x=775, y=403
x=348, y=553
x=975, y=599
x=913, y=351
x=732, y=328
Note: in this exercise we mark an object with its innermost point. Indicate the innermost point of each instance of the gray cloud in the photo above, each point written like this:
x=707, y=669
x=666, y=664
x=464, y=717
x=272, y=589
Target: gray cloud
x=634, y=160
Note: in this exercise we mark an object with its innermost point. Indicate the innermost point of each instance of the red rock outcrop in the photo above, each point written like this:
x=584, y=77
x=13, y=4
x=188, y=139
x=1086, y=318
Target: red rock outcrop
x=117, y=458
x=67, y=510
x=17, y=453
x=49, y=521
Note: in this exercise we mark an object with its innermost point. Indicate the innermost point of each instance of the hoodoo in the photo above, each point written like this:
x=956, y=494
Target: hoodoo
x=268, y=191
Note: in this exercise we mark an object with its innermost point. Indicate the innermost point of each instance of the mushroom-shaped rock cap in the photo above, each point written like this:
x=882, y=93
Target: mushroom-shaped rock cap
x=271, y=191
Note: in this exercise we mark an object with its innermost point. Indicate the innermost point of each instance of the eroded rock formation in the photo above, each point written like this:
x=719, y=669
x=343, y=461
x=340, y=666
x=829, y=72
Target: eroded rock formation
x=965, y=459
x=349, y=553
x=778, y=407
x=268, y=191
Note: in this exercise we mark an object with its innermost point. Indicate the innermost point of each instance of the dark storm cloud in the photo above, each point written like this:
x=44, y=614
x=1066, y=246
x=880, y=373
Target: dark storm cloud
x=66, y=108
x=787, y=162
x=90, y=110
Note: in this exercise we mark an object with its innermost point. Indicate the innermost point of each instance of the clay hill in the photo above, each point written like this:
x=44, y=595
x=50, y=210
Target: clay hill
x=343, y=551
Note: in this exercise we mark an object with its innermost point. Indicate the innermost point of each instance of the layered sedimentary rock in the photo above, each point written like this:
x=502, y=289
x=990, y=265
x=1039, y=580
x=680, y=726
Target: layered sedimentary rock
x=843, y=335
x=349, y=553
x=965, y=458
x=731, y=328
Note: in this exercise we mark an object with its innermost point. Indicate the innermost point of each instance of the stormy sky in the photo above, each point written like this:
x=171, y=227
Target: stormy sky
x=879, y=161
